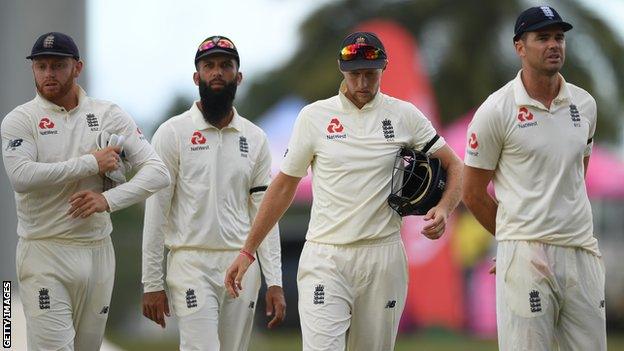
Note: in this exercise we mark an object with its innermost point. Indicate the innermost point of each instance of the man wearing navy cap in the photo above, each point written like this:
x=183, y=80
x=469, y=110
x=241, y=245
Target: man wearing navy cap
x=220, y=167
x=58, y=169
x=352, y=277
x=533, y=138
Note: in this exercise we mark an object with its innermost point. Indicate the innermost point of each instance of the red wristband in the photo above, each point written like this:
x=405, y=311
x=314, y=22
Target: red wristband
x=248, y=255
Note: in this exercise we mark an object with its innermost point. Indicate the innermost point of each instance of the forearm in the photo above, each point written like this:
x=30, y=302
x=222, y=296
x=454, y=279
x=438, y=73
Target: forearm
x=276, y=201
x=270, y=257
x=452, y=194
x=484, y=208
x=155, y=224
x=26, y=176
x=151, y=177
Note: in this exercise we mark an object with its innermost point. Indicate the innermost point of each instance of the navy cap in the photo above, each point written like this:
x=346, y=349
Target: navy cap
x=359, y=62
x=216, y=44
x=536, y=18
x=54, y=44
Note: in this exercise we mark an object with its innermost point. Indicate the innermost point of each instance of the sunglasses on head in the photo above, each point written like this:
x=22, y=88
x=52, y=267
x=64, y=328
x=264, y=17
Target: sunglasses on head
x=221, y=43
x=365, y=51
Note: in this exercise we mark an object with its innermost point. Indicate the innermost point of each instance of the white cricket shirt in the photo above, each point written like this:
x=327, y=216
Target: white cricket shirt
x=218, y=180
x=537, y=155
x=47, y=156
x=351, y=152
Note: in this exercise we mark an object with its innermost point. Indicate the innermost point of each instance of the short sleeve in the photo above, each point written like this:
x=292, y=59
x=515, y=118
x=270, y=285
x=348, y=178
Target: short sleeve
x=300, y=150
x=484, y=139
x=421, y=130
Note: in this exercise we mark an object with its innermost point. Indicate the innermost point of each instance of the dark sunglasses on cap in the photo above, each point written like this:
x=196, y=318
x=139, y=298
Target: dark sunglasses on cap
x=367, y=52
x=221, y=43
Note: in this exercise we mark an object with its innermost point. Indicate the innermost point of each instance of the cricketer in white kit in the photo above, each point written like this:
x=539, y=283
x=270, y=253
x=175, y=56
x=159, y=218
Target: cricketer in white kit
x=65, y=260
x=220, y=168
x=533, y=138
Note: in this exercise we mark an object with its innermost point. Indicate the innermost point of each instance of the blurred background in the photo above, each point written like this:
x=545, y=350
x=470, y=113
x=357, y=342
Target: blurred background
x=445, y=56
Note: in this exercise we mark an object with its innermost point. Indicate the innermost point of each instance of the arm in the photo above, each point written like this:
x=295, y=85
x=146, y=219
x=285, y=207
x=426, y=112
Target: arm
x=277, y=199
x=452, y=194
x=477, y=199
x=155, y=225
x=152, y=174
x=26, y=174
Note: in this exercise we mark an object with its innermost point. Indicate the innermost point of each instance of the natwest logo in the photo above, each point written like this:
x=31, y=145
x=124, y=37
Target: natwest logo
x=473, y=142
x=524, y=114
x=335, y=126
x=525, y=118
x=45, y=123
x=335, y=129
x=198, y=138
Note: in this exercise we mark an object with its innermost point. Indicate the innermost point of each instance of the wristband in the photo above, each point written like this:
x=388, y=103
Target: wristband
x=248, y=255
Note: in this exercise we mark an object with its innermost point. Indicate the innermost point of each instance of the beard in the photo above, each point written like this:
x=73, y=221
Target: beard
x=216, y=104
x=57, y=93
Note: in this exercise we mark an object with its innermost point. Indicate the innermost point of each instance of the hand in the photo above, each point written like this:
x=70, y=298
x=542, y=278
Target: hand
x=107, y=158
x=235, y=273
x=156, y=306
x=436, y=228
x=493, y=268
x=275, y=305
x=85, y=203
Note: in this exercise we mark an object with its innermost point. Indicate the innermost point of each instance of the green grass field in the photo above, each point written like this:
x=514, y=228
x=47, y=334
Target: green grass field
x=285, y=341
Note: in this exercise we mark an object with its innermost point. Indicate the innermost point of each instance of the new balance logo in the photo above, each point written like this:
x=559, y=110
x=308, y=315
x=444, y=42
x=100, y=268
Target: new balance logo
x=191, y=299
x=319, y=294
x=14, y=144
x=44, y=299
x=104, y=310
x=535, y=301
x=388, y=130
x=391, y=304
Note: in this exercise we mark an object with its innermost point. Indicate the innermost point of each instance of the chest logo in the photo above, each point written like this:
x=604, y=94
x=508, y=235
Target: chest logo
x=198, y=138
x=525, y=118
x=46, y=126
x=335, y=126
x=45, y=123
x=575, y=116
x=243, y=146
x=388, y=130
x=93, y=122
x=335, y=130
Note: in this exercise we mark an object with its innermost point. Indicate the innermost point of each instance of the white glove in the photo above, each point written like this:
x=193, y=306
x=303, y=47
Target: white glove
x=105, y=139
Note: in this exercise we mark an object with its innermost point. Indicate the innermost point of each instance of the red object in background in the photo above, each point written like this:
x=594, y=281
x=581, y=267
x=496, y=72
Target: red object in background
x=435, y=293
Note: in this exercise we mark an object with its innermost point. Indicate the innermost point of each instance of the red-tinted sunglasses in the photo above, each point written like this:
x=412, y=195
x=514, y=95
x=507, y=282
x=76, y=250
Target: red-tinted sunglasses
x=365, y=51
x=222, y=43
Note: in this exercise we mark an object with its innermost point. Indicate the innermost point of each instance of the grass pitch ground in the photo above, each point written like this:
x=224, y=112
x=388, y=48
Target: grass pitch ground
x=290, y=341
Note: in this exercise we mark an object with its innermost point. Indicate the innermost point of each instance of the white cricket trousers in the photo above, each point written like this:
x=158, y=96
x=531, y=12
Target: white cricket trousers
x=209, y=319
x=66, y=288
x=549, y=298
x=355, y=292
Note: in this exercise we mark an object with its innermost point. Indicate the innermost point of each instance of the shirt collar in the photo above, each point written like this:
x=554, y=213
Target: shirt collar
x=49, y=105
x=523, y=99
x=349, y=105
x=201, y=124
